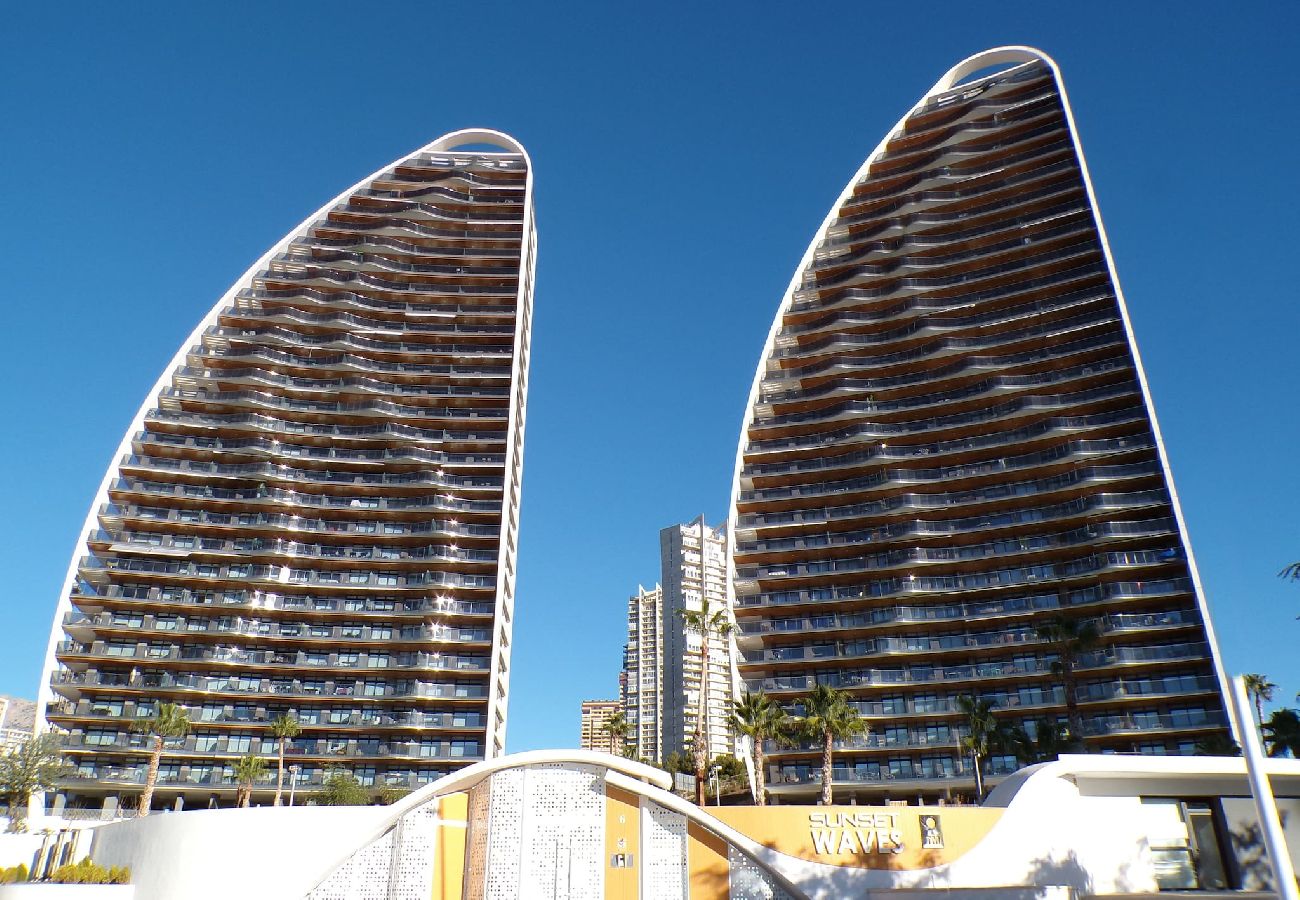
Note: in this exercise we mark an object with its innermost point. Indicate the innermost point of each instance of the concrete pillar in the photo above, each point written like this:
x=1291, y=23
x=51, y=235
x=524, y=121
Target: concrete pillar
x=109, y=809
x=60, y=803
x=179, y=804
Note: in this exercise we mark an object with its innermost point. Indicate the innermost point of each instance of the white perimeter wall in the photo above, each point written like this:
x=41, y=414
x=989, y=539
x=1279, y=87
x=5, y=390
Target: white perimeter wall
x=236, y=854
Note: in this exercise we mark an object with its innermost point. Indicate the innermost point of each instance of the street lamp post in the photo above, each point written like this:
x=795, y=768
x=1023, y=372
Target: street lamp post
x=293, y=781
x=717, y=787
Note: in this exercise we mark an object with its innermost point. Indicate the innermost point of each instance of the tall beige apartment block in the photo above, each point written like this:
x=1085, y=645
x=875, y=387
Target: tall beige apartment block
x=315, y=512
x=596, y=716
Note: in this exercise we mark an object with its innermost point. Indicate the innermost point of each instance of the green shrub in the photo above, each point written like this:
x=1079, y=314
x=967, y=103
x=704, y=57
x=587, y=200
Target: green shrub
x=14, y=874
x=89, y=872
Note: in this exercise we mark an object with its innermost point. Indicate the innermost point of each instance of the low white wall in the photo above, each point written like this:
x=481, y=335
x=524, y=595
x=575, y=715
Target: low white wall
x=18, y=848
x=228, y=854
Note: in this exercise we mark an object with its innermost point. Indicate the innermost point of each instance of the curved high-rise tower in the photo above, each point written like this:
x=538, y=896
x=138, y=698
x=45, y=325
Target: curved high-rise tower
x=315, y=511
x=950, y=451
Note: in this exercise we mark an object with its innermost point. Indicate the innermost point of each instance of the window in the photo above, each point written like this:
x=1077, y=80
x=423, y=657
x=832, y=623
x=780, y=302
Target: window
x=206, y=743
x=239, y=743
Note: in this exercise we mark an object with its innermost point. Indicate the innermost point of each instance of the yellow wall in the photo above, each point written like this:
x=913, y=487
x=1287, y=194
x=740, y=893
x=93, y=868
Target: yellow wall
x=449, y=853
x=622, y=835
x=790, y=830
x=710, y=872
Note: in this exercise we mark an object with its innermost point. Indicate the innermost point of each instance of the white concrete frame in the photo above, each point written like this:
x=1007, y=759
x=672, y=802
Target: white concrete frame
x=1011, y=56
x=527, y=275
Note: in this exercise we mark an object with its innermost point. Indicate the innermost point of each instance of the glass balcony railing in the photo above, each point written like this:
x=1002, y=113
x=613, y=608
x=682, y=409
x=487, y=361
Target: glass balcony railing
x=1007, y=547
x=976, y=581
x=926, y=527
x=872, y=429
x=244, y=597
x=990, y=493
x=286, y=426
x=330, y=361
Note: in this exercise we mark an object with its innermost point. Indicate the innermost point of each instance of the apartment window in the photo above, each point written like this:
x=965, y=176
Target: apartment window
x=317, y=659
x=378, y=661
x=373, y=688
x=119, y=648
x=240, y=743
x=206, y=743
x=98, y=737
x=466, y=748
x=358, y=578
x=386, y=580
x=349, y=659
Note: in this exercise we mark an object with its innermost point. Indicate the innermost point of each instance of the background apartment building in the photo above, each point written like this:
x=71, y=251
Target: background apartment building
x=596, y=716
x=316, y=511
x=949, y=446
x=693, y=568
x=642, y=679
x=17, y=720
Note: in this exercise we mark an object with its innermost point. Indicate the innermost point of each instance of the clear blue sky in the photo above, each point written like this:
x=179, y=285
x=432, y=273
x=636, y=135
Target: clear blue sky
x=685, y=154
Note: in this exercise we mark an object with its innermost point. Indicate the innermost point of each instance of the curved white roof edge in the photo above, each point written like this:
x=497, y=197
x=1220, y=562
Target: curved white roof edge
x=1012, y=55
x=438, y=145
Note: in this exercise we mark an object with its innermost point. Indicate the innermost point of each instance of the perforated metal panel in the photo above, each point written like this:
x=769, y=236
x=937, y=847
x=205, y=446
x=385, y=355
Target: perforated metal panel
x=663, y=853
x=477, y=841
x=363, y=877
x=504, y=838
x=413, y=854
x=749, y=881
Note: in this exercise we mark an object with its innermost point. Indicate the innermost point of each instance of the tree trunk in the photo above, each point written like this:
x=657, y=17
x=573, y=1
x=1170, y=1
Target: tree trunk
x=1072, y=713
x=760, y=777
x=279, y=775
x=701, y=749
x=979, y=778
x=245, y=796
x=151, y=778
x=828, y=769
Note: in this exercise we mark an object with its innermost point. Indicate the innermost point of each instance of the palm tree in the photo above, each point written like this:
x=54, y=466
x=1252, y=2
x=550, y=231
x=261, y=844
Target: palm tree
x=706, y=621
x=982, y=733
x=247, y=770
x=617, y=729
x=828, y=716
x=759, y=719
x=1216, y=744
x=1292, y=571
x=283, y=728
x=1282, y=733
x=169, y=722
x=1071, y=638
x=1260, y=689
x=1050, y=739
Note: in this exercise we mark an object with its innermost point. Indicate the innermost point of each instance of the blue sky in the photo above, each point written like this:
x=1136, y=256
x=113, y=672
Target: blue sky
x=685, y=154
